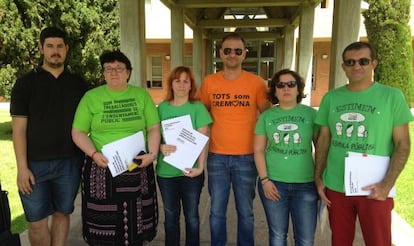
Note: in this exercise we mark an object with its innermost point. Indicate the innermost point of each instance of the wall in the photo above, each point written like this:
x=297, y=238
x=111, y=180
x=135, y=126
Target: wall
x=321, y=46
x=163, y=49
x=321, y=83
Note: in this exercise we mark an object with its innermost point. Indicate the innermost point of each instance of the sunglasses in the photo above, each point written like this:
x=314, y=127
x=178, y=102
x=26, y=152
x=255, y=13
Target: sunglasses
x=361, y=62
x=237, y=51
x=289, y=84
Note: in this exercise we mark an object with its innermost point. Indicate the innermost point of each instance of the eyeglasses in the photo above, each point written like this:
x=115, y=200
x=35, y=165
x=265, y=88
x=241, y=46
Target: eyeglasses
x=237, y=51
x=109, y=70
x=361, y=62
x=289, y=84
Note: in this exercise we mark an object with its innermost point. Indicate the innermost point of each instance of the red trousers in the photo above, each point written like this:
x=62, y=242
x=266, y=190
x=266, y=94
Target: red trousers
x=374, y=217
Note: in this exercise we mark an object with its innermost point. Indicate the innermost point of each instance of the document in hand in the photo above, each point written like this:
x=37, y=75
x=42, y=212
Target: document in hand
x=362, y=170
x=189, y=142
x=172, y=127
x=120, y=153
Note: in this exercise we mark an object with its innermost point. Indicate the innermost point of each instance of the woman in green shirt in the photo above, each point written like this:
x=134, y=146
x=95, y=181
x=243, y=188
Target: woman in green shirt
x=283, y=156
x=120, y=210
x=176, y=186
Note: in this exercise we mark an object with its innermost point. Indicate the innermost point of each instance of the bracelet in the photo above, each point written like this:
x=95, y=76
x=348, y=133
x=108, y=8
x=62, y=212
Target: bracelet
x=264, y=178
x=93, y=153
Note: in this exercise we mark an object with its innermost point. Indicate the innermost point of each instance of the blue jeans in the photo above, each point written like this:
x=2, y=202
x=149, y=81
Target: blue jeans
x=175, y=191
x=55, y=190
x=240, y=171
x=300, y=201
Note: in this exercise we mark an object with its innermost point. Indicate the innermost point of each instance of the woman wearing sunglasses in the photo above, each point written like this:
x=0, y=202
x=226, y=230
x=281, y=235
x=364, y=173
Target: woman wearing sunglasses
x=283, y=155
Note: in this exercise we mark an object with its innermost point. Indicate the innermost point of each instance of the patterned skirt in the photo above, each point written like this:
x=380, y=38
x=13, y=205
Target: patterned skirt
x=121, y=210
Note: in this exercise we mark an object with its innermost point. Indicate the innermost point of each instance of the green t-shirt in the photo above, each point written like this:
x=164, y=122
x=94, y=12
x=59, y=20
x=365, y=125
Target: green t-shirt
x=111, y=115
x=199, y=117
x=289, y=136
x=360, y=121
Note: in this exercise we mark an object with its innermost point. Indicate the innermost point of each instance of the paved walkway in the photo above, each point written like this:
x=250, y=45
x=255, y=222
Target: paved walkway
x=403, y=234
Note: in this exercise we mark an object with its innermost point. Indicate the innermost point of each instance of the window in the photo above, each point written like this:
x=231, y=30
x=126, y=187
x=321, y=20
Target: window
x=260, y=58
x=154, y=72
x=267, y=48
x=267, y=69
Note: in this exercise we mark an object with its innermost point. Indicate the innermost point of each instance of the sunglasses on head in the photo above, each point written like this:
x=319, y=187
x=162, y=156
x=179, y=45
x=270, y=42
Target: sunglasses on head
x=361, y=62
x=289, y=84
x=237, y=51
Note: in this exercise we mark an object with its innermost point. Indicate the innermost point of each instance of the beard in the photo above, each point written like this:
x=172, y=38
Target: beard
x=54, y=63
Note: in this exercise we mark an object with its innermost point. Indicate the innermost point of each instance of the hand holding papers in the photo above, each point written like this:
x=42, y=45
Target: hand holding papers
x=189, y=142
x=363, y=170
x=120, y=153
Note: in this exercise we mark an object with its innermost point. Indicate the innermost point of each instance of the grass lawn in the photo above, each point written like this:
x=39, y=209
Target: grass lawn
x=8, y=172
x=404, y=201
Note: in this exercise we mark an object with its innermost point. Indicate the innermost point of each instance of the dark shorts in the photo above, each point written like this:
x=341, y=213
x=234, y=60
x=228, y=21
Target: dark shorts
x=55, y=189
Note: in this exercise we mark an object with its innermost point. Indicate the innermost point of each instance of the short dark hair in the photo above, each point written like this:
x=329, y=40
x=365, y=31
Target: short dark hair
x=115, y=55
x=358, y=46
x=234, y=36
x=276, y=79
x=52, y=32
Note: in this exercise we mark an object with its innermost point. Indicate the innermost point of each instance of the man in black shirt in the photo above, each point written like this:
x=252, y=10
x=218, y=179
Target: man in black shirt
x=43, y=103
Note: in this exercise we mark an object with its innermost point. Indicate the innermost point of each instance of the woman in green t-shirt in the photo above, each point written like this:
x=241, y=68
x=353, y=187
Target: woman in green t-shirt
x=182, y=186
x=120, y=210
x=283, y=156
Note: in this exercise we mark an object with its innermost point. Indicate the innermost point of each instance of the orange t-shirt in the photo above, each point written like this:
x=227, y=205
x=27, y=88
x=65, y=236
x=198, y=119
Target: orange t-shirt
x=233, y=105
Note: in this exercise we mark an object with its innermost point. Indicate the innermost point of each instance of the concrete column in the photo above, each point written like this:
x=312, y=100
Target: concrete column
x=279, y=46
x=209, y=56
x=305, y=50
x=177, y=37
x=198, y=55
x=132, y=26
x=345, y=30
x=289, y=47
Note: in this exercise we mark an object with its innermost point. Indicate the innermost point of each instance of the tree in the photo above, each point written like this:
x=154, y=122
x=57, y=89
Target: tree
x=91, y=25
x=387, y=25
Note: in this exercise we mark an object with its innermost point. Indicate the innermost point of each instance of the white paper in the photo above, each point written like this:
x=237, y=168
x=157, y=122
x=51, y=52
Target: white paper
x=323, y=216
x=362, y=170
x=120, y=153
x=172, y=127
x=189, y=144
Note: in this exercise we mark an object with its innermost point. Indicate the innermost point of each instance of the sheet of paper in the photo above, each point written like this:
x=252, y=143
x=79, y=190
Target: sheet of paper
x=189, y=144
x=120, y=153
x=323, y=216
x=362, y=170
x=172, y=127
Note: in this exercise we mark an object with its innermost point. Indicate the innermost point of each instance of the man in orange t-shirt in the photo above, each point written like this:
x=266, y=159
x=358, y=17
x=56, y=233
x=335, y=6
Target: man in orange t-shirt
x=234, y=98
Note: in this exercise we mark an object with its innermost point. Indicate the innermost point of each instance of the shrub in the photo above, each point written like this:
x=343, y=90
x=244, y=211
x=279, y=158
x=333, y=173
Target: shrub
x=7, y=79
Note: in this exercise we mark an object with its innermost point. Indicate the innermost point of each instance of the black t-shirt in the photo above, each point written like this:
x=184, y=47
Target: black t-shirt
x=49, y=104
